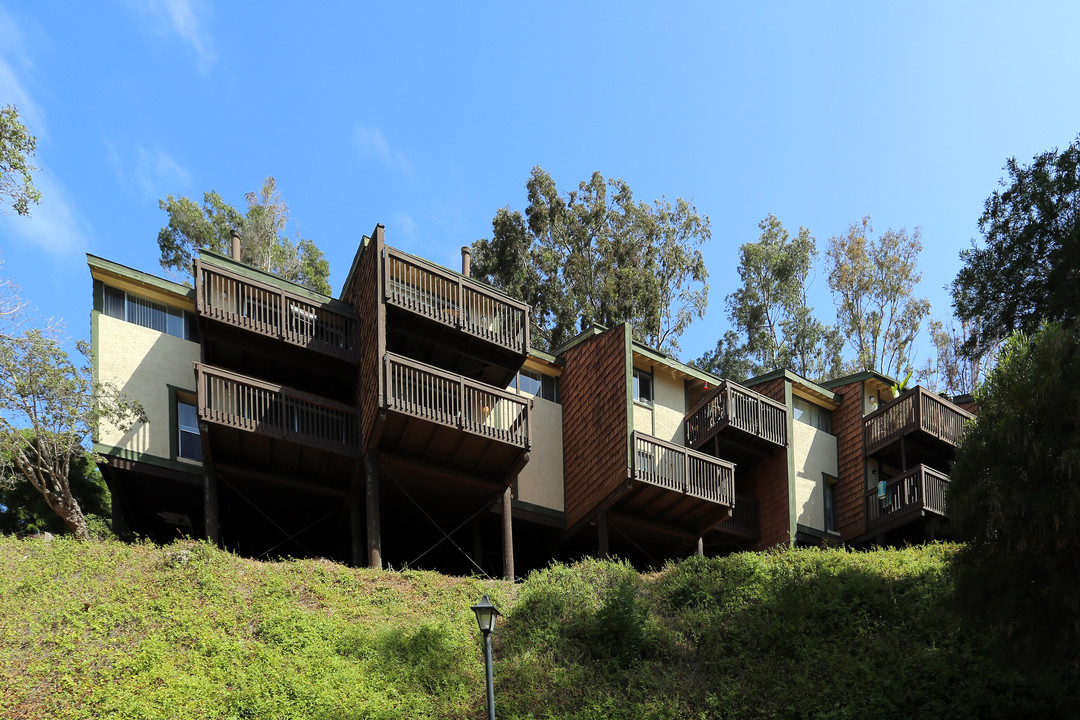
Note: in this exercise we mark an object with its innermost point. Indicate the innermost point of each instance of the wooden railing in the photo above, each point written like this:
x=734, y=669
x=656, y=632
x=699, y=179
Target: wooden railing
x=431, y=394
x=917, y=409
x=683, y=470
x=745, y=519
x=733, y=405
x=921, y=488
x=454, y=300
x=272, y=311
x=245, y=403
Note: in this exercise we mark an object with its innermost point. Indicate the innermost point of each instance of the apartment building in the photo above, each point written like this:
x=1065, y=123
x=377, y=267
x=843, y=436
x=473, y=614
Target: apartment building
x=409, y=423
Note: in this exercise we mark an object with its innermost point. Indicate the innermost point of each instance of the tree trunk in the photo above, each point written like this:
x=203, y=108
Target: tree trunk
x=73, y=517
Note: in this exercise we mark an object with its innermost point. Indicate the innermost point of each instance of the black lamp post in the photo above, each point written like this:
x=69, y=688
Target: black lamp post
x=485, y=618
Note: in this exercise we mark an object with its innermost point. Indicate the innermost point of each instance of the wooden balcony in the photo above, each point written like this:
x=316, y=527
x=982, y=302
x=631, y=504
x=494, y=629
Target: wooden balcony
x=744, y=521
x=454, y=301
x=438, y=418
x=908, y=497
x=740, y=416
x=676, y=468
x=673, y=490
x=242, y=302
x=246, y=404
x=932, y=423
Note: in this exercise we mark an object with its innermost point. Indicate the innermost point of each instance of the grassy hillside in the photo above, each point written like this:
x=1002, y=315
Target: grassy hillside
x=103, y=630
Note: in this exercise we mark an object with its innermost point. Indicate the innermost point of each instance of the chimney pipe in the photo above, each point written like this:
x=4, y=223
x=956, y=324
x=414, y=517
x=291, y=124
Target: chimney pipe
x=235, y=233
x=466, y=260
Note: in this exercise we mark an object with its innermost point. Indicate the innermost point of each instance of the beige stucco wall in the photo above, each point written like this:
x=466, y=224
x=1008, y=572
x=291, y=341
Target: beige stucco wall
x=664, y=419
x=540, y=482
x=143, y=362
x=815, y=453
x=669, y=406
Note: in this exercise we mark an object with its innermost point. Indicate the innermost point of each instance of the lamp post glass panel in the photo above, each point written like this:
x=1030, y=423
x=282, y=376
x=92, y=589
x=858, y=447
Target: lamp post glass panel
x=485, y=618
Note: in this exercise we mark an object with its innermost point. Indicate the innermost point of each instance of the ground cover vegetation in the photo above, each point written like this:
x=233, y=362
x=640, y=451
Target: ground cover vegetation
x=107, y=630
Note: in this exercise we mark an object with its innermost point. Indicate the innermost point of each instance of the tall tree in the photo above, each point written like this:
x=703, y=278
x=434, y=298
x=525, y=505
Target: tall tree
x=48, y=408
x=951, y=370
x=1014, y=495
x=17, y=148
x=24, y=510
x=873, y=282
x=1027, y=269
x=770, y=309
x=728, y=359
x=595, y=255
x=263, y=231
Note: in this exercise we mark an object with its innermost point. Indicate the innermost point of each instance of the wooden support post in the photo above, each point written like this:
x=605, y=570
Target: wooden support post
x=116, y=489
x=210, y=506
x=602, y=533
x=356, y=516
x=371, y=499
x=903, y=455
x=701, y=547
x=508, y=535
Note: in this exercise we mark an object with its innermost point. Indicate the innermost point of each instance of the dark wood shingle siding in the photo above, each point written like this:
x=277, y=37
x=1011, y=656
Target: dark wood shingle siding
x=767, y=482
x=362, y=293
x=594, y=398
x=847, y=424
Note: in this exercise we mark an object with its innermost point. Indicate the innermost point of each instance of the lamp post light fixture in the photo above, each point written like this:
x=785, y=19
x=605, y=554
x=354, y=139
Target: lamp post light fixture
x=485, y=618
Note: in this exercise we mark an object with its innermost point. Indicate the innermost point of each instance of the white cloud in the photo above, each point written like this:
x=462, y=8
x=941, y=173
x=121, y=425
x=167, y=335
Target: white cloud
x=151, y=172
x=55, y=225
x=15, y=63
x=186, y=20
x=370, y=142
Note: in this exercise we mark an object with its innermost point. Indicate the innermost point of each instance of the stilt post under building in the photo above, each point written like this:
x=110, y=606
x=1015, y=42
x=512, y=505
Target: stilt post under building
x=371, y=498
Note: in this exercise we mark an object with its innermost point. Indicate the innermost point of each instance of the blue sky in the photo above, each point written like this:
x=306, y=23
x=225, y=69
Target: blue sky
x=428, y=117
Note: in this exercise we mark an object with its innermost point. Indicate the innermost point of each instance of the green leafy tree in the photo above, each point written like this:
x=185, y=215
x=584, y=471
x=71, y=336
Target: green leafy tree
x=24, y=510
x=770, y=309
x=873, y=283
x=1015, y=496
x=17, y=147
x=48, y=408
x=595, y=255
x=728, y=359
x=950, y=370
x=264, y=241
x=1027, y=269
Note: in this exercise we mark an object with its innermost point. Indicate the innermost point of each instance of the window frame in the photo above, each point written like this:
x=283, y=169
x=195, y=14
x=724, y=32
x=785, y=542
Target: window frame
x=112, y=294
x=638, y=386
x=828, y=501
x=178, y=396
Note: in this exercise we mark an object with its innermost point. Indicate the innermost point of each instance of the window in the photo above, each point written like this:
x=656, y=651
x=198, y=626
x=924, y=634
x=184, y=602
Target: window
x=830, y=485
x=545, y=387
x=811, y=414
x=148, y=313
x=643, y=390
x=189, y=443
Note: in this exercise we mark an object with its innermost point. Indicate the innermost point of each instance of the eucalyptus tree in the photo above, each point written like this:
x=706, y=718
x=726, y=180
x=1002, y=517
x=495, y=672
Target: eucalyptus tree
x=264, y=244
x=595, y=255
x=873, y=282
x=17, y=148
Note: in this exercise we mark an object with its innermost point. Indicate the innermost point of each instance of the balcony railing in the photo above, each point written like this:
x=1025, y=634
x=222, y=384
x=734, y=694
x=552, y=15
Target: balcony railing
x=731, y=405
x=274, y=312
x=248, y=404
x=915, y=410
x=745, y=519
x=456, y=301
x=920, y=489
x=425, y=392
x=683, y=470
